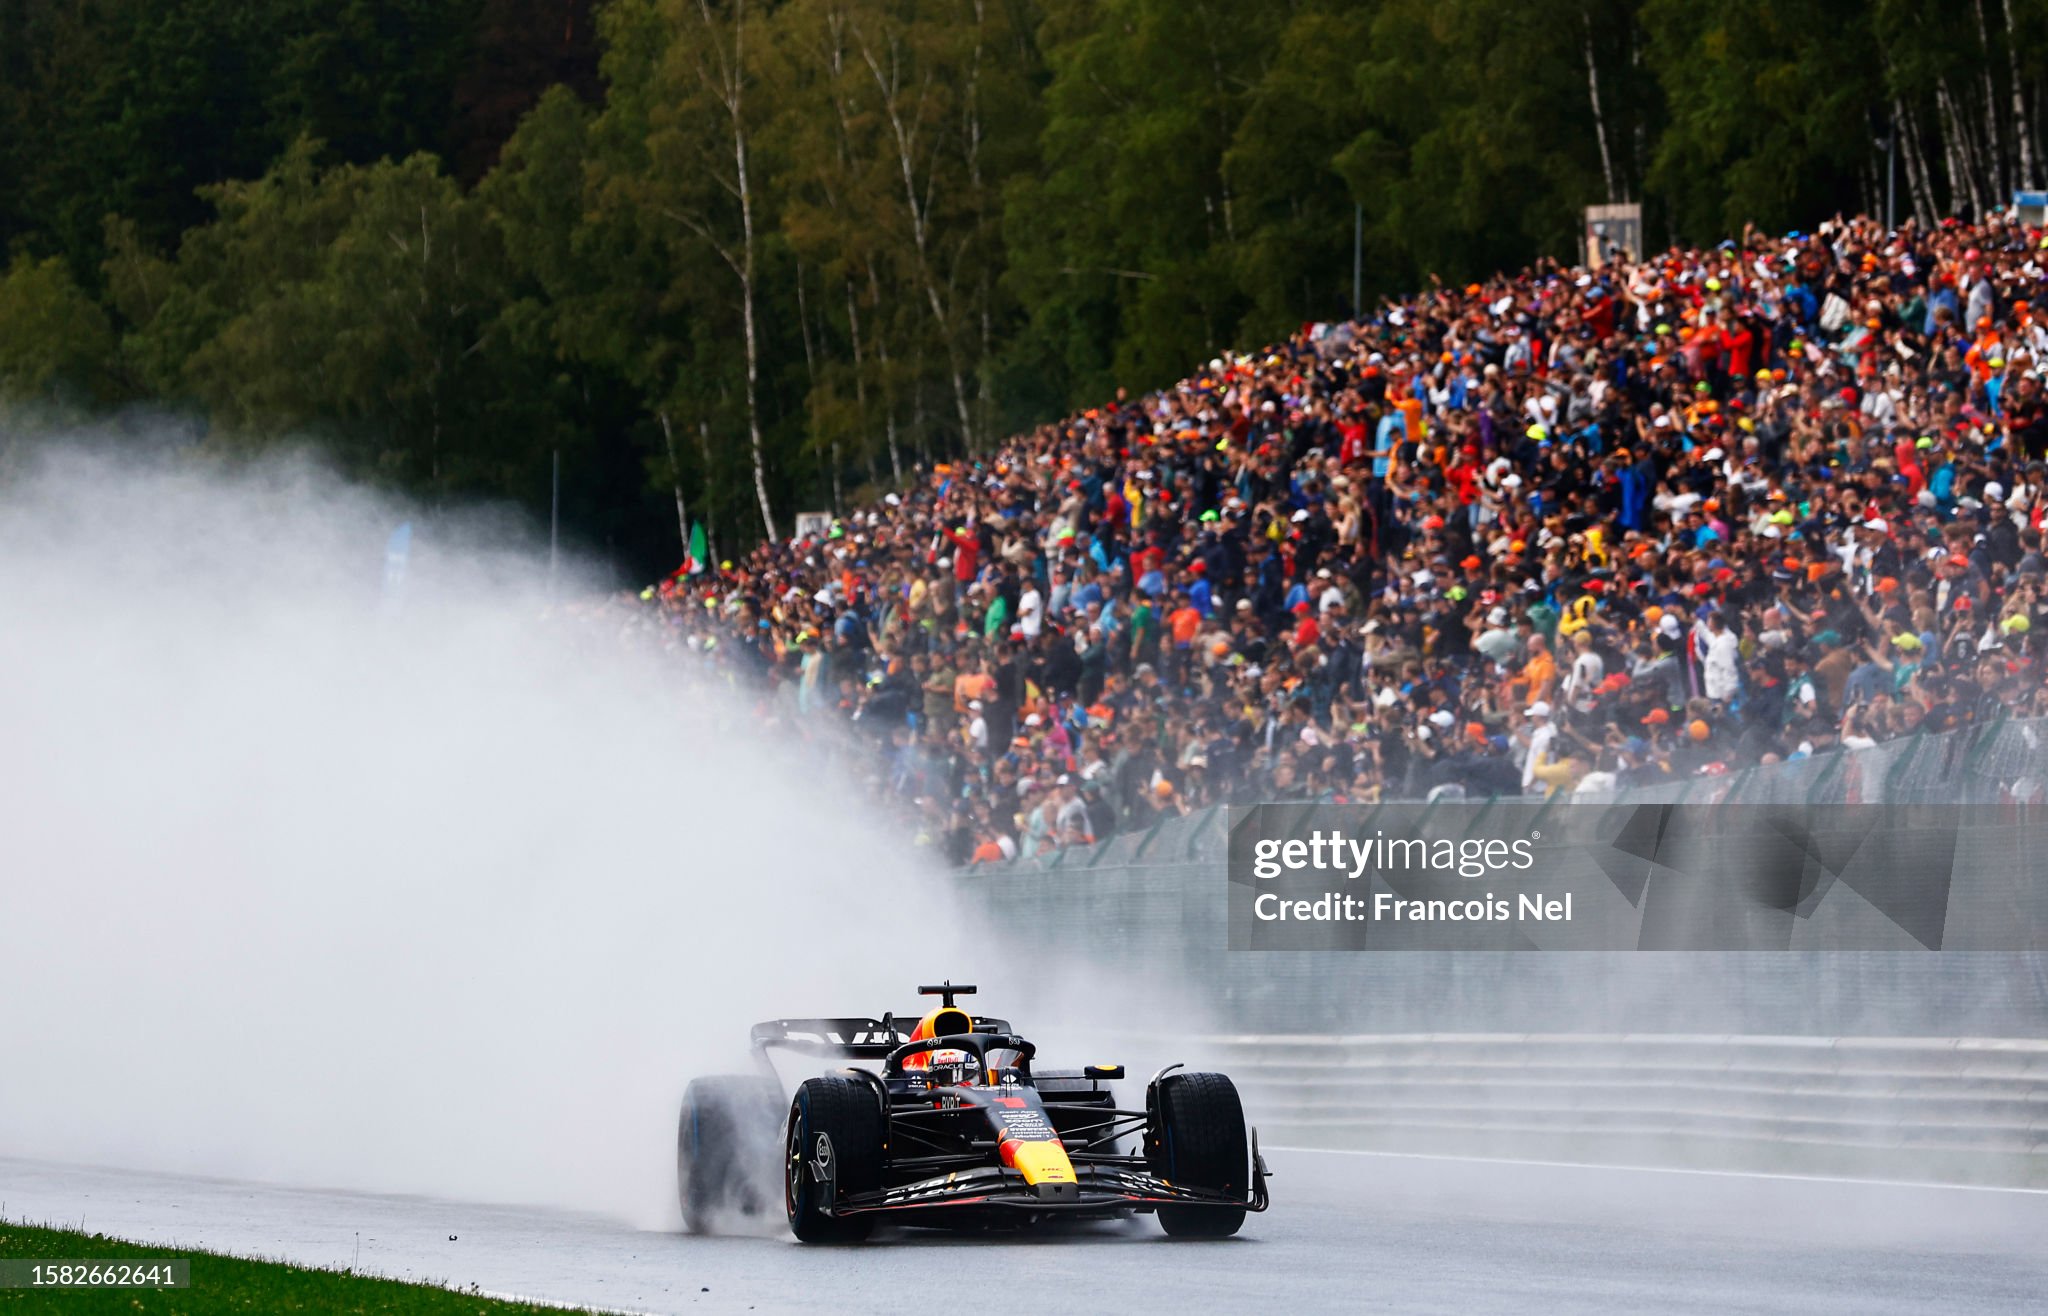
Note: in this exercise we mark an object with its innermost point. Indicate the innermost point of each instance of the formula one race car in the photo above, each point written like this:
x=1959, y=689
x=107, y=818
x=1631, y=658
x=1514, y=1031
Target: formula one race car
x=954, y=1128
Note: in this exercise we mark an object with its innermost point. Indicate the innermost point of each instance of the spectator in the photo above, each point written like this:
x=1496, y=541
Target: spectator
x=1579, y=528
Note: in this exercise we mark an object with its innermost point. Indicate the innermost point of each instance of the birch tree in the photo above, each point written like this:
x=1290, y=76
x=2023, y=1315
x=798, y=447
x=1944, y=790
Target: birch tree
x=675, y=150
x=903, y=122
x=2022, y=126
x=1599, y=114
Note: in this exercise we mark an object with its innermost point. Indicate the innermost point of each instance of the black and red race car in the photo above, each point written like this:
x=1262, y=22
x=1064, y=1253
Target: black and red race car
x=950, y=1125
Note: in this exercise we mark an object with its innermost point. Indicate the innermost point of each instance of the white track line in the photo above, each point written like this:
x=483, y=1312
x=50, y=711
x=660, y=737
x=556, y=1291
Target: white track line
x=1657, y=1169
x=557, y=1303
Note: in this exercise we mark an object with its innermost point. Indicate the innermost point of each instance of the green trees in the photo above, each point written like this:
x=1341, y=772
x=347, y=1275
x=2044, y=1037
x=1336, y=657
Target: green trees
x=129, y=106
x=1122, y=245
x=896, y=127
x=1769, y=106
x=733, y=259
x=365, y=304
x=1484, y=143
x=55, y=341
x=1776, y=113
x=676, y=159
x=1176, y=215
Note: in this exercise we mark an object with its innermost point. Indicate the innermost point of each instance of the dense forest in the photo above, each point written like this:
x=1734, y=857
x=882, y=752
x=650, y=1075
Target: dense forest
x=735, y=259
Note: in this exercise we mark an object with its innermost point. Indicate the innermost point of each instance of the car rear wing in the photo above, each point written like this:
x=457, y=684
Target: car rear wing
x=850, y=1038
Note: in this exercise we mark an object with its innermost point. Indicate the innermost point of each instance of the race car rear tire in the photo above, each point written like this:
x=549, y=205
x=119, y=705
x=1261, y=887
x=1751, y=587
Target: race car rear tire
x=1196, y=1139
x=726, y=1145
x=845, y=1115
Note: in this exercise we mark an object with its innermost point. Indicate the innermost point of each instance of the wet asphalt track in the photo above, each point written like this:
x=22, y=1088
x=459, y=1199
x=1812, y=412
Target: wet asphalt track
x=1347, y=1233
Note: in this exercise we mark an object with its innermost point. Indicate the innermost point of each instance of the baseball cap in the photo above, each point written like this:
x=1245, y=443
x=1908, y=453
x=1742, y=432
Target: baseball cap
x=1541, y=708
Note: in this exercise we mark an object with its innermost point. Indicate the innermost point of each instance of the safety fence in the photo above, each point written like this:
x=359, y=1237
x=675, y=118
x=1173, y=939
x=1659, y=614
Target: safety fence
x=1154, y=903
x=1955, y=1110
x=1909, y=1064
x=1163, y=927
x=1998, y=771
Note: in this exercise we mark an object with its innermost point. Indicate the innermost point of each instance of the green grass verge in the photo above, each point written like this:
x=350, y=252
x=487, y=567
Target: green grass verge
x=227, y=1284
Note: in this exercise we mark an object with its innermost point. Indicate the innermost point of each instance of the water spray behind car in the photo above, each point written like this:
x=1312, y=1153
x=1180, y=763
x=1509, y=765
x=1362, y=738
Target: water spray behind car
x=448, y=892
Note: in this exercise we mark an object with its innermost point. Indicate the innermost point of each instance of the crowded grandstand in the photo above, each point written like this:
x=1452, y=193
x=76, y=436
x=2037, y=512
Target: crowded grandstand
x=1568, y=530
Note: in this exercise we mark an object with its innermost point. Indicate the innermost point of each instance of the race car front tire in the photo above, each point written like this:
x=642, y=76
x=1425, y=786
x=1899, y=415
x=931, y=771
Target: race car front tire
x=1197, y=1139
x=842, y=1118
x=726, y=1143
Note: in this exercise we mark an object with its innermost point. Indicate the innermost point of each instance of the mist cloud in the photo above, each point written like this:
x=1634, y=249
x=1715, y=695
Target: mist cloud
x=446, y=897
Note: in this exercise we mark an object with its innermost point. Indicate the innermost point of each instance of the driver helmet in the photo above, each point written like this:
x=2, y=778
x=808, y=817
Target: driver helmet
x=954, y=1065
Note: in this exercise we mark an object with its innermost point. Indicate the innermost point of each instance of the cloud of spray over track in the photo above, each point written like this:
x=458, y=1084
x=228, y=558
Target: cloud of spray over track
x=446, y=898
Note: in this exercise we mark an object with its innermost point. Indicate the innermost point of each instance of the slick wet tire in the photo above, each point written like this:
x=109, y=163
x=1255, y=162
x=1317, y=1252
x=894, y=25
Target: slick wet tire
x=726, y=1150
x=839, y=1118
x=1196, y=1139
